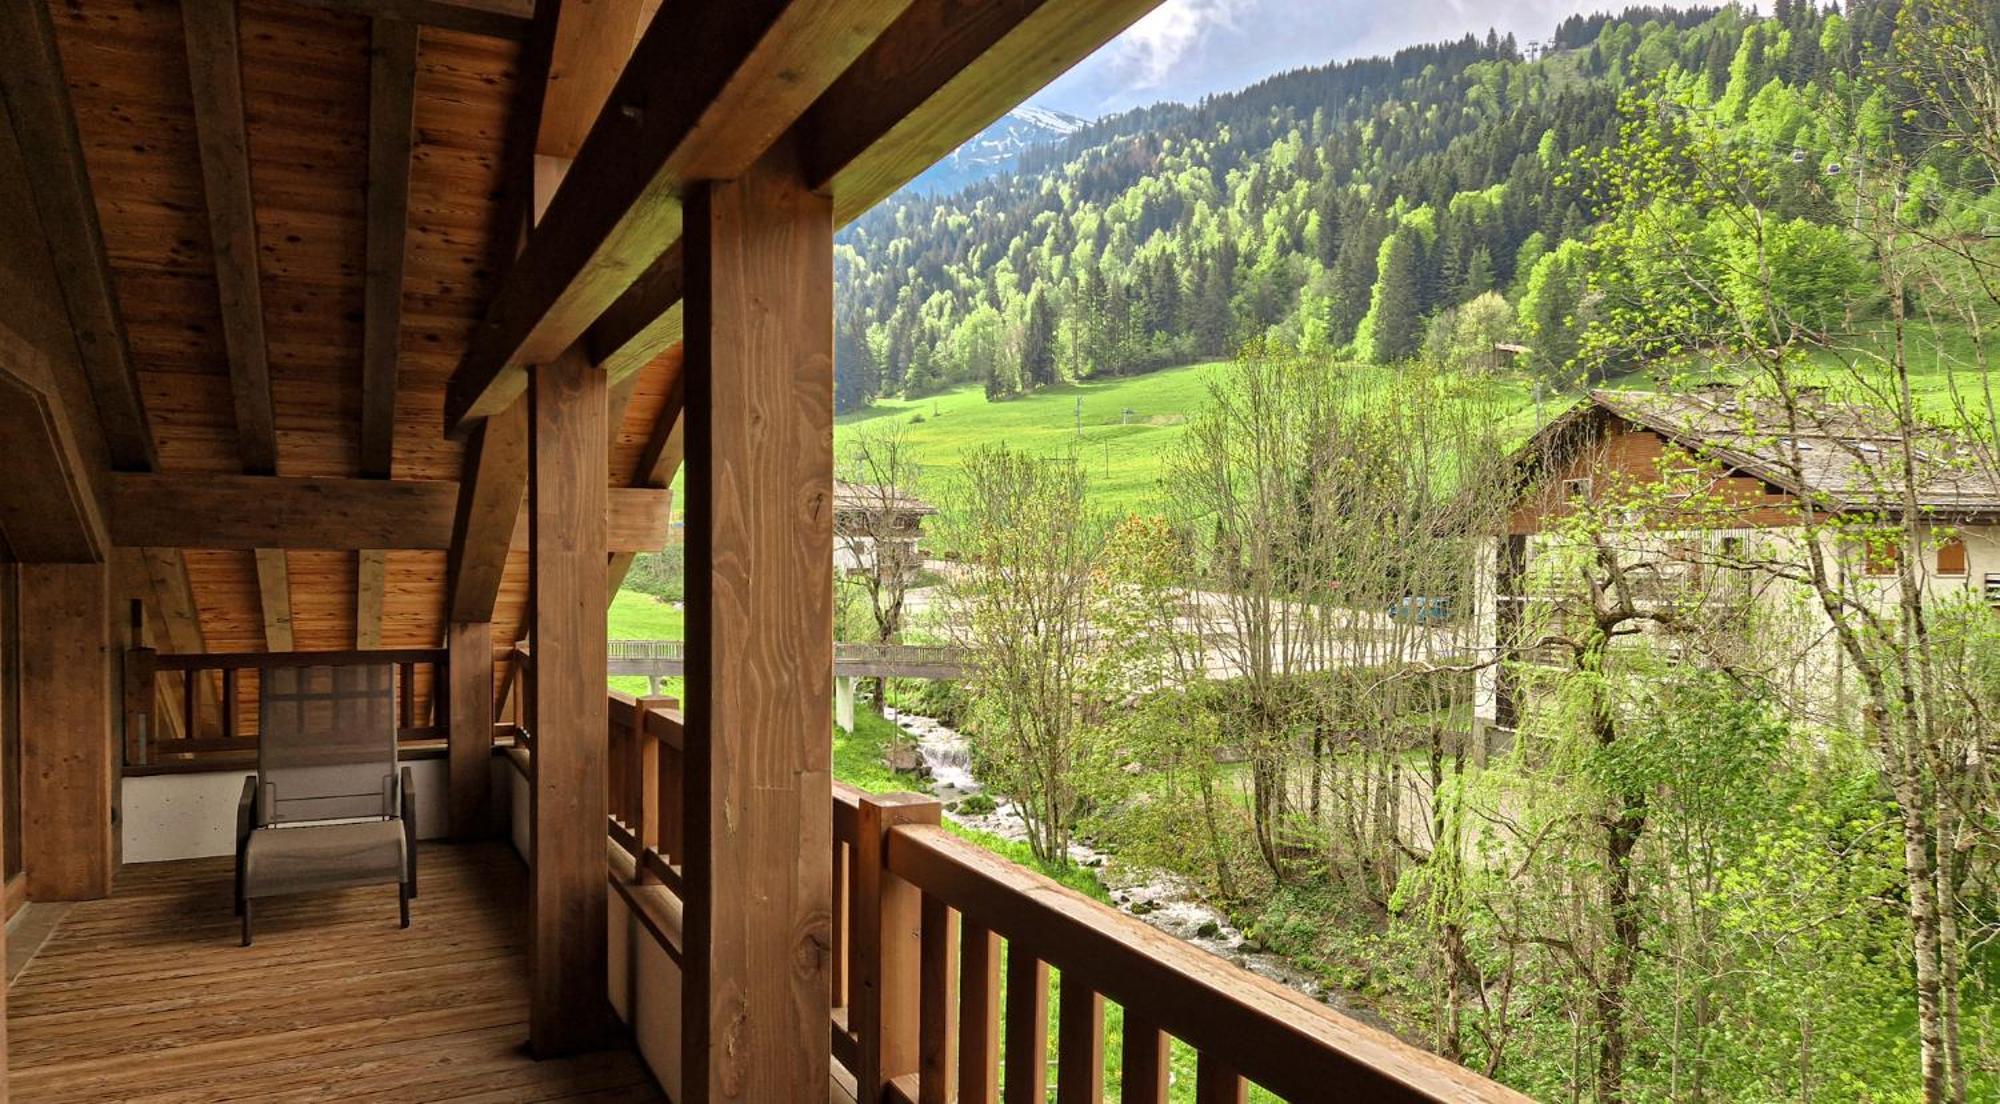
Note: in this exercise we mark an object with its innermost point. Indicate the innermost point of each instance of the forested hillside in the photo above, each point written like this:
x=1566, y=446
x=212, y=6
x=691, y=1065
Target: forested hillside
x=1362, y=208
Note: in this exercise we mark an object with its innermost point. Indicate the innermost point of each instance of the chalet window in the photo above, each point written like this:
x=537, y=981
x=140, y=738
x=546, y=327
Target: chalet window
x=1882, y=557
x=1951, y=556
x=1574, y=489
x=1993, y=590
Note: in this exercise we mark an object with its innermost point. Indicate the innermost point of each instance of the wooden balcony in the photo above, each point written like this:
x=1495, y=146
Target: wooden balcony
x=376, y=331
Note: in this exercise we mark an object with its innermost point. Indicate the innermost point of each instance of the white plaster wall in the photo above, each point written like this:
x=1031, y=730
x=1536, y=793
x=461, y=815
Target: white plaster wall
x=646, y=991
x=192, y=816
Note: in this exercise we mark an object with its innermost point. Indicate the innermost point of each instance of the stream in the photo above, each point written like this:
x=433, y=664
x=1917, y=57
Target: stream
x=1162, y=899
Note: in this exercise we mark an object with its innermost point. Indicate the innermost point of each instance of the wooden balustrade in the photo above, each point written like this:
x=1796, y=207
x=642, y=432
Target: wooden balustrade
x=224, y=740
x=942, y=950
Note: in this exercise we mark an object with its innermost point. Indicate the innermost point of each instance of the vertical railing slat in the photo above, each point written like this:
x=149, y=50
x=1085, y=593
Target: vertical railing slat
x=1216, y=1083
x=938, y=1022
x=1027, y=1027
x=1079, y=1044
x=1142, y=1077
x=229, y=720
x=978, y=1015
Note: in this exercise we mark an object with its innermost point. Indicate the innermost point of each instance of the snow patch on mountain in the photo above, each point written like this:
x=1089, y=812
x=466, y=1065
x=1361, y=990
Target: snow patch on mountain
x=997, y=149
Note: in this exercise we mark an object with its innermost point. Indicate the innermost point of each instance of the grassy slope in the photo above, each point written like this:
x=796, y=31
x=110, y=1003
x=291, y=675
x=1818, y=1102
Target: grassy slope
x=1124, y=461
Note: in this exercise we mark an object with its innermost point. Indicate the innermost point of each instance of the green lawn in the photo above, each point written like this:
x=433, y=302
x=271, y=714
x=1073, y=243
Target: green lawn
x=636, y=616
x=1122, y=453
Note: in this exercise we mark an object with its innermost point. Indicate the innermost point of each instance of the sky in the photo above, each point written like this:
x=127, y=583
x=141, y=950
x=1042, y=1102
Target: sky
x=1186, y=49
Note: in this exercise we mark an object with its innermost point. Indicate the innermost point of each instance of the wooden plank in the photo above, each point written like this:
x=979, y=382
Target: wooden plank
x=1079, y=1045
x=1143, y=1062
x=1216, y=1083
x=38, y=107
x=349, y=515
x=760, y=633
x=488, y=509
x=888, y=949
x=645, y=321
x=979, y=1015
x=67, y=766
x=1288, y=1043
x=493, y=18
x=937, y=1045
x=274, y=598
x=1027, y=1026
x=938, y=76
x=592, y=44
x=674, y=117
x=471, y=721
x=568, y=1008
x=48, y=509
x=216, y=79
x=371, y=578
x=257, y=661
x=392, y=89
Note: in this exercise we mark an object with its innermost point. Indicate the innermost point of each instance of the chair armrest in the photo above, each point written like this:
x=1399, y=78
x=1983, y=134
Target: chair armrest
x=246, y=810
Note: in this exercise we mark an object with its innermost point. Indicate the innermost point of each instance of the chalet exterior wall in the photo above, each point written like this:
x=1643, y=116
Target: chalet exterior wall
x=1743, y=517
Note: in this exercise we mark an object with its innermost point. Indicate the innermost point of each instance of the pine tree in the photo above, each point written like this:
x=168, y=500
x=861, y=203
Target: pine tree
x=855, y=380
x=1399, y=323
x=1038, y=340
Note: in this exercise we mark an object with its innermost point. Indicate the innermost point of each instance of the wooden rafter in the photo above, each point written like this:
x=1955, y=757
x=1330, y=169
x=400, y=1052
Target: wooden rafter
x=392, y=88
x=371, y=578
x=935, y=78
x=216, y=78
x=493, y=18
x=304, y=513
x=38, y=109
x=674, y=117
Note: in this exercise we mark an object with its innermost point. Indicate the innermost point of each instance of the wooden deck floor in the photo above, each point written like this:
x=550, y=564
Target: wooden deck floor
x=147, y=997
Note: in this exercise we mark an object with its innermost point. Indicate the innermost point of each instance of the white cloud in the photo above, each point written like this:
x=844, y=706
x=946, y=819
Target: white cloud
x=1153, y=49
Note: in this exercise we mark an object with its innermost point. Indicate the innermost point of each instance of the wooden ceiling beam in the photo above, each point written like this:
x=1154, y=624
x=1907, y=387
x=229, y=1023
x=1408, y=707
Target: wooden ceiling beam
x=392, y=90
x=492, y=18
x=487, y=513
x=48, y=508
x=675, y=116
x=937, y=76
x=38, y=109
x=342, y=515
x=215, y=76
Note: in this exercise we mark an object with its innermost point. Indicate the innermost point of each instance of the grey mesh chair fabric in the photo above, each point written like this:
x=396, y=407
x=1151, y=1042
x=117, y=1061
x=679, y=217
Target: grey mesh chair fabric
x=328, y=808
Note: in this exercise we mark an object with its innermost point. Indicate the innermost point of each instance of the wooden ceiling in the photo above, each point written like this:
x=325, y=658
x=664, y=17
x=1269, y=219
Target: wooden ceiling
x=276, y=239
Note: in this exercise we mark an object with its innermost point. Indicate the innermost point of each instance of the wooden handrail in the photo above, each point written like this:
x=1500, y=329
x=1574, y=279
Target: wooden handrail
x=238, y=661
x=1279, y=1038
x=919, y=920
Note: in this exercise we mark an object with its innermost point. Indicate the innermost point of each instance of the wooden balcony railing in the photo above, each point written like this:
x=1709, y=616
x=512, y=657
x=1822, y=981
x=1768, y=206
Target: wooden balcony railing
x=926, y=925
x=214, y=695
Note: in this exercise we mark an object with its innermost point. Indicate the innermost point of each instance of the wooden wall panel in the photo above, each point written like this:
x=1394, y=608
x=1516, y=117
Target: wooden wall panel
x=68, y=769
x=323, y=600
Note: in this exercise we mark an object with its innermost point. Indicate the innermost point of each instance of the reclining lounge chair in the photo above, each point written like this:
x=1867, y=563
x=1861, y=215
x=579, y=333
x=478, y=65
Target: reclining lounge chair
x=327, y=808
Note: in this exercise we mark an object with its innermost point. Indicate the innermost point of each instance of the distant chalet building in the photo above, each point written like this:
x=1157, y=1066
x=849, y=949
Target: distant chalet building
x=1755, y=502
x=871, y=521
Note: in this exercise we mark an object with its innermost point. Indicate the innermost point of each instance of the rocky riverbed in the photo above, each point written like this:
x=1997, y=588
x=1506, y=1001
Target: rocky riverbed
x=1162, y=899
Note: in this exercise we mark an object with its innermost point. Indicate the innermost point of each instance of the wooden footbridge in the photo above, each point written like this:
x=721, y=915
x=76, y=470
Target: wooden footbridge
x=667, y=659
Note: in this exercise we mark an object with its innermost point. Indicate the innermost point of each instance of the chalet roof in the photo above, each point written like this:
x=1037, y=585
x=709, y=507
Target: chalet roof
x=1842, y=456
x=871, y=496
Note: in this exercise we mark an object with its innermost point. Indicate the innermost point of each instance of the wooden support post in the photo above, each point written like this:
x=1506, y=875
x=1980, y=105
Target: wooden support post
x=644, y=778
x=68, y=771
x=569, y=1010
x=470, y=674
x=760, y=636
x=888, y=964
